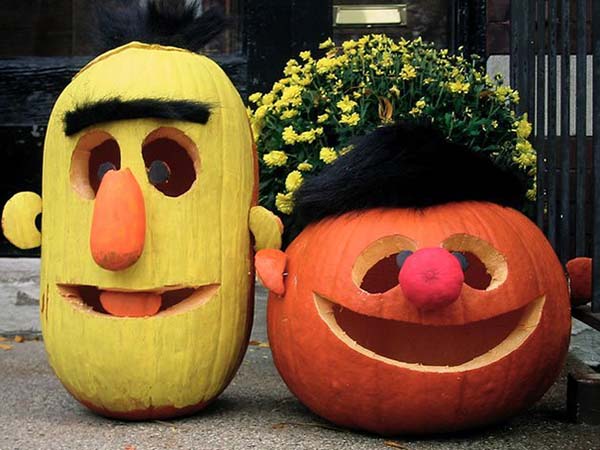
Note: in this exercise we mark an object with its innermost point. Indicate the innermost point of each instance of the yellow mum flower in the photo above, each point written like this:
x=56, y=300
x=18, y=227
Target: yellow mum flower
x=310, y=135
x=305, y=166
x=394, y=90
x=289, y=136
x=288, y=114
x=322, y=118
x=291, y=68
x=327, y=155
x=255, y=98
x=421, y=104
x=523, y=128
x=268, y=99
x=275, y=158
x=327, y=44
x=459, y=88
x=293, y=181
x=285, y=202
x=305, y=55
x=349, y=45
x=408, y=72
x=503, y=93
x=350, y=119
x=346, y=105
x=292, y=95
x=260, y=112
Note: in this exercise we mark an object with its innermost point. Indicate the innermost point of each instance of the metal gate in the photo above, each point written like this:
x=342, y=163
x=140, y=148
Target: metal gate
x=555, y=65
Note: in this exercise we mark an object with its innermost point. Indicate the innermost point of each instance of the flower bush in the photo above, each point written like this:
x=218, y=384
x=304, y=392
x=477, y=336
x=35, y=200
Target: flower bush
x=311, y=115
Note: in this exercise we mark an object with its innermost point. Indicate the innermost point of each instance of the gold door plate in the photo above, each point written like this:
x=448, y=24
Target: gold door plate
x=369, y=15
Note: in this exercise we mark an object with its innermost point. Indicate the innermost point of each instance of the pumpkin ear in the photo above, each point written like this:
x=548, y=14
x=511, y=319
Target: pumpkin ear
x=266, y=228
x=270, y=267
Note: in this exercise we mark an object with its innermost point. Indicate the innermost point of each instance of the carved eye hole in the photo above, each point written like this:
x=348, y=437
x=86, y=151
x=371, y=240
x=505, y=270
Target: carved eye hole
x=170, y=159
x=484, y=267
x=377, y=267
x=96, y=153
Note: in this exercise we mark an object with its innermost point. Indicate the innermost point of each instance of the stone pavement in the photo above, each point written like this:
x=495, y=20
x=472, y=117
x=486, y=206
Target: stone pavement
x=255, y=411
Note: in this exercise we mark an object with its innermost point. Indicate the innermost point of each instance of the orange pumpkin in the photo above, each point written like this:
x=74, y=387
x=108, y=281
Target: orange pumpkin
x=356, y=349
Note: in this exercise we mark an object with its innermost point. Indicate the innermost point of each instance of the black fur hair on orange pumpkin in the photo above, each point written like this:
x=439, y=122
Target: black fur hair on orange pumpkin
x=405, y=166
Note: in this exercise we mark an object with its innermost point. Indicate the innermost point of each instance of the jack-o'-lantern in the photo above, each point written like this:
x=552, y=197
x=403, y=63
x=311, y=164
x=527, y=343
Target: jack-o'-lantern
x=149, y=183
x=418, y=317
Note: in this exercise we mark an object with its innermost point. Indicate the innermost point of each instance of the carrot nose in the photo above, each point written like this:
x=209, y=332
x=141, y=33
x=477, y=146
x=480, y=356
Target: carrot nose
x=431, y=278
x=119, y=222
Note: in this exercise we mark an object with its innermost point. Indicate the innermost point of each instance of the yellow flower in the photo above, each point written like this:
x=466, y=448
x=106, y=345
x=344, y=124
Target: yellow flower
x=322, y=118
x=357, y=94
x=293, y=181
x=260, y=112
x=268, y=99
x=327, y=155
x=327, y=44
x=503, y=93
x=292, y=95
x=275, y=158
x=394, y=90
x=285, y=202
x=349, y=45
x=289, y=136
x=305, y=166
x=523, y=128
x=288, y=114
x=415, y=112
x=291, y=68
x=420, y=104
x=350, y=119
x=310, y=135
x=346, y=105
x=305, y=55
x=408, y=72
x=255, y=98
x=524, y=146
x=459, y=88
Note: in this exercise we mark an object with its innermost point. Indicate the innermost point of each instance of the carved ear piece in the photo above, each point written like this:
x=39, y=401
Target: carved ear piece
x=270, y=267
x=266, y=228
x=18, y=220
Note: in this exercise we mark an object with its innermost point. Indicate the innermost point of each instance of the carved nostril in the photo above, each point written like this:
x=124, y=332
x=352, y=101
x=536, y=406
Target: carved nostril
x=431, y=278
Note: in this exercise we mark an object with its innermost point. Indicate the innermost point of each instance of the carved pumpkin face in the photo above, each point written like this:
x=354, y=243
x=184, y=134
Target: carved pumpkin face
x=148, y=217
x=370, y=345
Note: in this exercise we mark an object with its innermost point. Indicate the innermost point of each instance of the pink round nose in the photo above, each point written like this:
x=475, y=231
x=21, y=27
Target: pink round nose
x=431, y=278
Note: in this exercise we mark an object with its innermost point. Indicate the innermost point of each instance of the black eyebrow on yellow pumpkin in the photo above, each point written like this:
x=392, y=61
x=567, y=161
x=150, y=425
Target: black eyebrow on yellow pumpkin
x=112, y=109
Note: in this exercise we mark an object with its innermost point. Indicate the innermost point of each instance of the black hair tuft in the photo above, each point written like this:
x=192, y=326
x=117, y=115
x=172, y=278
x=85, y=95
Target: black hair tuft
x=166, y=22
x=405, y=165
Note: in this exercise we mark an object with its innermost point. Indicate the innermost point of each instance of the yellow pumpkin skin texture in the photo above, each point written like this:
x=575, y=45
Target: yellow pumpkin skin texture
x=176, y=362
x=339, y=377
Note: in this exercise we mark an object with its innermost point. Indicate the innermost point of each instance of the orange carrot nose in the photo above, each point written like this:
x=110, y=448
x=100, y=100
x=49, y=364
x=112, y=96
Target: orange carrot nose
x=119, y=222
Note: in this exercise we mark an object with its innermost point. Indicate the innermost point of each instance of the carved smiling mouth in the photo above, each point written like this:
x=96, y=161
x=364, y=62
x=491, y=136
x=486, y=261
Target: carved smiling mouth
x=165, y=301
x=432, y=348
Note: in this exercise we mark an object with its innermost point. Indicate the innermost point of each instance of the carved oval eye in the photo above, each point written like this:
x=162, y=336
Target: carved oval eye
x=377, y=267
x=96, y=153
x=169, y=156
x=484, y=267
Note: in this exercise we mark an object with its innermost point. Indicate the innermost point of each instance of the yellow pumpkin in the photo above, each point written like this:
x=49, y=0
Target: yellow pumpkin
x=191, y=254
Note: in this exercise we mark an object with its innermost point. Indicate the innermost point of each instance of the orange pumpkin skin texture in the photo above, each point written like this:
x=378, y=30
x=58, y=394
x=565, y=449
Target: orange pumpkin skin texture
x=342, y=381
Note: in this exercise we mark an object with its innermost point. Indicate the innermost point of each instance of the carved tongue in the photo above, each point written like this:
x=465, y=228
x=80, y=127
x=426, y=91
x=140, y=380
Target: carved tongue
x=130, y=304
